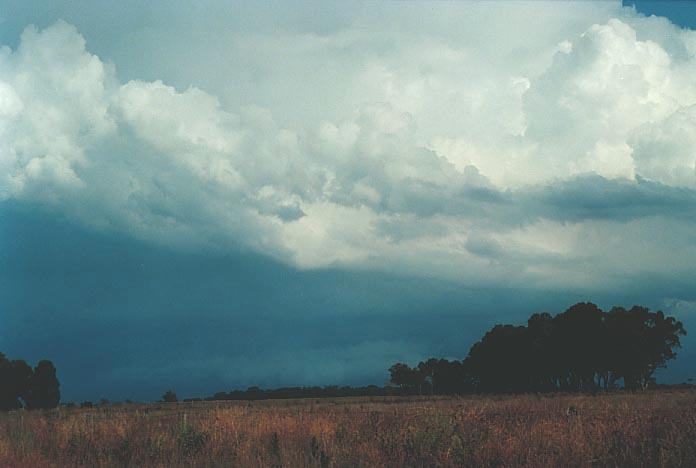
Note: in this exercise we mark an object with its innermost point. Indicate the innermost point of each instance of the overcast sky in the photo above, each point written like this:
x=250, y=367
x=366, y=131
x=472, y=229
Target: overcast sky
x=213, y=195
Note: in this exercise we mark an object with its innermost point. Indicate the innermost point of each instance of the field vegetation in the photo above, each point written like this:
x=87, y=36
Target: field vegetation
x=651, y=429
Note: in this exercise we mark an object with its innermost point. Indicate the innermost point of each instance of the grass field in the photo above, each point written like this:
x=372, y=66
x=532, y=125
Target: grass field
x=619, y=430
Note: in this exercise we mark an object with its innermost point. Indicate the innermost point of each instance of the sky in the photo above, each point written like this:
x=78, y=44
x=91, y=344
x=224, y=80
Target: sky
x=212, y=195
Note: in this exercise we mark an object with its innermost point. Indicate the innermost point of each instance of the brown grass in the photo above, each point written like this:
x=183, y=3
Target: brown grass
x=621, y=430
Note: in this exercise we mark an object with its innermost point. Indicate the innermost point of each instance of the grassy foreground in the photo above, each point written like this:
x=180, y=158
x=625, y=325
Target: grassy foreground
x=648, y=429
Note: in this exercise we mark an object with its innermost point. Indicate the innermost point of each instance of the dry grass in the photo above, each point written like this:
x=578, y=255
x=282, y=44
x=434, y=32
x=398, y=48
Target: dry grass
x=622, y=430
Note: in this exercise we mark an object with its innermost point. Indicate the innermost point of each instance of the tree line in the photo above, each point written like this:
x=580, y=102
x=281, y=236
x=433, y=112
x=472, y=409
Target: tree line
x=257, y=393
x=583, y=349
x=22, y=386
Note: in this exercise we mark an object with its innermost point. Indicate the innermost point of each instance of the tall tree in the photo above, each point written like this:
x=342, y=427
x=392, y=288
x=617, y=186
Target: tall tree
x=409, y=380
x=581, y=349
x=543, y=360
x=500, y=361
x=44, y=388
x=426, y=371
x=450, y=378
x=641, y=342
x=579, y=338
x=15, y=377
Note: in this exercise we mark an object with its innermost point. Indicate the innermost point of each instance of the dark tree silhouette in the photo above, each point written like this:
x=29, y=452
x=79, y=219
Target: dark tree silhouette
x=445, y=377
x=544, y=365
x=411, y=381
x=425, y=372
x=579, y=342
x=169, y=397
x=583, y=349
x=399, y=375
x=44, y=388
x=14, y=382
x=500, y=361
x=642, y=341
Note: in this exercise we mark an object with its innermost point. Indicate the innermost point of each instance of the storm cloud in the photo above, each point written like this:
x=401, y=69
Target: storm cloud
x=591, y=123
x=551, y=151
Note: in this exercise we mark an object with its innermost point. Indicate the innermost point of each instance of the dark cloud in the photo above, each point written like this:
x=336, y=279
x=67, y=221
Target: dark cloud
x=176, y=218
x=591, y=196
x=124, y=319
x=575, y=199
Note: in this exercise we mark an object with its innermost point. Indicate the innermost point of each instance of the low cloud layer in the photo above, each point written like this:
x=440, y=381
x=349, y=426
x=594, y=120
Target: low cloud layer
x=561, y=155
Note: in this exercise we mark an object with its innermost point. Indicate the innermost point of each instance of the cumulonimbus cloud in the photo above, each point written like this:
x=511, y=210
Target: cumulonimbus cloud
x=450, y=163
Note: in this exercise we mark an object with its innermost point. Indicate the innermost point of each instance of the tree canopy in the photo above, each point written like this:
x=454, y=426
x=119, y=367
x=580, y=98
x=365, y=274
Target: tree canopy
x=44, y=389
x=581, y=349
x=21, y=386
x=169, y=397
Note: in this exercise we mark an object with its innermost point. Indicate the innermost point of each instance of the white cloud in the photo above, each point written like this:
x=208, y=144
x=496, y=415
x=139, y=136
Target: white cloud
x=666, y=150
x=411, y=150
